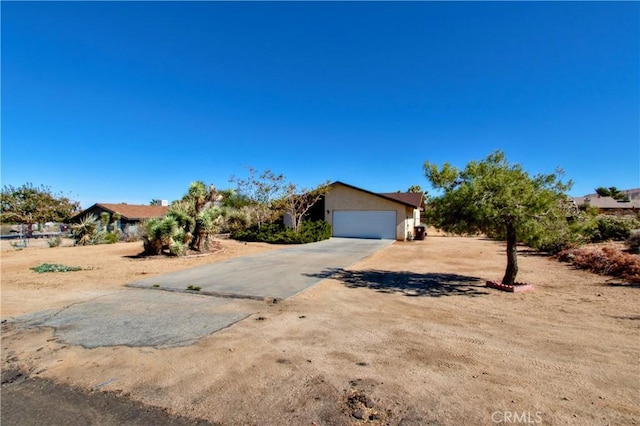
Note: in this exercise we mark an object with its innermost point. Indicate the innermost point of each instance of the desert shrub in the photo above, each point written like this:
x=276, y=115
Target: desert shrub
x=606, y=227
x=177, y=248
x=132, y=233
x=159, y=234
x=309, y=232
x=111, y=237
x=235, y=220
x=316, y=230
x=563, y=230
x=606, y=260
x=633, y=242
x=54, y=242
x=88, y=231
x=54, y=267
x=554, y=236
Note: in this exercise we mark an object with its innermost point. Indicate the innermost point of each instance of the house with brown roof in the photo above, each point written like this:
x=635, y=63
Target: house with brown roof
x=358, y=213
x=130, y=214
x=609, y=205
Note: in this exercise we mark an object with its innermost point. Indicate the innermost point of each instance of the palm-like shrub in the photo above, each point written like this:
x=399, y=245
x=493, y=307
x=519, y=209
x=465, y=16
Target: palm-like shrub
x=88, y=231
x=159, y=234
x=190, y=223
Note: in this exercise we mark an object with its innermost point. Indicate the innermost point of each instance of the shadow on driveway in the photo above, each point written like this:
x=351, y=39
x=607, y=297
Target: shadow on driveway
x=409, y=283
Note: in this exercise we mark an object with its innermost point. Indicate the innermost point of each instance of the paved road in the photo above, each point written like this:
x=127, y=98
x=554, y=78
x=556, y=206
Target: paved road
x=36, y=401
x=276, y=274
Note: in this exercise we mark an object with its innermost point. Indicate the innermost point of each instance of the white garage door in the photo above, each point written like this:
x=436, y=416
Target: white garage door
x=364, y=224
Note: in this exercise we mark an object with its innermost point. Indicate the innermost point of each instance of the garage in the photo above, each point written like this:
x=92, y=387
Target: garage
x=365, y=224
x=357, y=213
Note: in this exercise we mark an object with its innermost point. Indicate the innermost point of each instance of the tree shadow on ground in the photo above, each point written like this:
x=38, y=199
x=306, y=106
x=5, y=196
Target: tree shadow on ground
x=628, y=284
x=409, y=283
x=532, y=253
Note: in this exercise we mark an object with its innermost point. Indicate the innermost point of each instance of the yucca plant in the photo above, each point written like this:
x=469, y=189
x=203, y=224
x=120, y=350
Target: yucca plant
x=190, y=223
x=105, y=218
x=208, y=222
x=159, y=234
x=87, y=231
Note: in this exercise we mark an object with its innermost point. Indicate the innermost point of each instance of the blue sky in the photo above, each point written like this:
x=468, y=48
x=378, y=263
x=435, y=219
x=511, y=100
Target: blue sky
x=131, y=101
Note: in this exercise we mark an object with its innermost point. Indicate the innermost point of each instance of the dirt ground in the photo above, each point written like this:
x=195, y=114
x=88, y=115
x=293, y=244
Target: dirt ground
x=410, y=335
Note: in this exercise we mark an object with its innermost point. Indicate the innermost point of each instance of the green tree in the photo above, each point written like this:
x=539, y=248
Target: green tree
x=612, y=192
x=415, y=189
x=232, y=199
x=30, y=204
x=496, y=198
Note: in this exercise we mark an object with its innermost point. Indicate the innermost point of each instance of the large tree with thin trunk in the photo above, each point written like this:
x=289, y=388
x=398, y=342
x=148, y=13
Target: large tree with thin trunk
x=496, y=198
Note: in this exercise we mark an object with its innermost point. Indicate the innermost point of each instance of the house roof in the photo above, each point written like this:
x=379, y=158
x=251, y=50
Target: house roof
x=407, y=198
x=633, y=194
x=411, y=198
x=606, y=202
x=131, y=211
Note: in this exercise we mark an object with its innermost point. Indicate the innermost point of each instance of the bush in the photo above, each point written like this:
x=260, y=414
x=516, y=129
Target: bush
x=235, y=220
x=54, y=242
x=605, y=228
x=178, y=248
x=277, y=234
x=88, y=231
x=554, y=233
x=54, y=267
x=607, y=261
x=111, y=237
x=633, y=242
x=554, y=237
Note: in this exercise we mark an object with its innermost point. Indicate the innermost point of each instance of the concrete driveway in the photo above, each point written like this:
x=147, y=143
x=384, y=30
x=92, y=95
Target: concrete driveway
x=275, y=274
x=140, y=317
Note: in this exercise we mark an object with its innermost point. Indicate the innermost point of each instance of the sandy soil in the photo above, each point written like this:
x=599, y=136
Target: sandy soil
x=409, y=335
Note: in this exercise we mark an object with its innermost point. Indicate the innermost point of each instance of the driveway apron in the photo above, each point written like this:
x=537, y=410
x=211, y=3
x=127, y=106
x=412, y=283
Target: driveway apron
x=275, y=274
x=160, y=319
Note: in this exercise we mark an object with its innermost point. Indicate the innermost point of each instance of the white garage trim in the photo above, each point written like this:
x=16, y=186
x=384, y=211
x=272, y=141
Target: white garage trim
x=364, y=224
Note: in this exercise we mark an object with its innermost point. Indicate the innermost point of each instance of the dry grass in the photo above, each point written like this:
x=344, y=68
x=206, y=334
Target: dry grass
x=604, y=260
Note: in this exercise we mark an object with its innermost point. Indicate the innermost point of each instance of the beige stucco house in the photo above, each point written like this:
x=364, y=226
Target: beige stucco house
x=358, y=213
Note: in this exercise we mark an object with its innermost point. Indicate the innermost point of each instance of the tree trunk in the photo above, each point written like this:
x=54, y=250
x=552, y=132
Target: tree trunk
x=512, y=256
x=196, y=242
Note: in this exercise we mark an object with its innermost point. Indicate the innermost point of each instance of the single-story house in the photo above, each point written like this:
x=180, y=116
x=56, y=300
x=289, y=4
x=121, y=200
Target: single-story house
x=130, y=214
x=609, y=205
x=357, y=213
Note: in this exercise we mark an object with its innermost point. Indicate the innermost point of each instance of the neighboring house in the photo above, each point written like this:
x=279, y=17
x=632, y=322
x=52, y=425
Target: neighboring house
x=610, y=205
x=130, y=214
x=358, y=213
